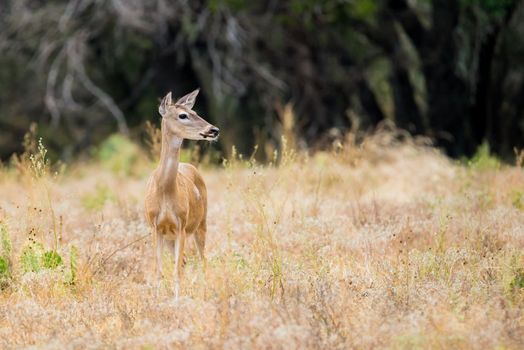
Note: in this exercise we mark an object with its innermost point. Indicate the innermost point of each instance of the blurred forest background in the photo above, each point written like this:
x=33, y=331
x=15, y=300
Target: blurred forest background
x=452, y=70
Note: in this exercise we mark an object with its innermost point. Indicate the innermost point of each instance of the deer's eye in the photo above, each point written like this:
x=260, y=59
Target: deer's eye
x=183, y=116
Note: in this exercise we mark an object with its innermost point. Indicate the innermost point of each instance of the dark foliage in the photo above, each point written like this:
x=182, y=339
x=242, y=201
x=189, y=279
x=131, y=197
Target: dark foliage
x=82, y=69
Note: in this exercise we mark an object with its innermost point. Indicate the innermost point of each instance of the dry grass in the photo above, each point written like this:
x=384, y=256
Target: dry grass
x=385, y=245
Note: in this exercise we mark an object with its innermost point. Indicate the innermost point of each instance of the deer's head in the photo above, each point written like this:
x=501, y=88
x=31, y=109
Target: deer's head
x=180, y=120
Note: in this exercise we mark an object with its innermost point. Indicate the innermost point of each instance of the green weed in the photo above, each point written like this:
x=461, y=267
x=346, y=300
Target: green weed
x=119, y=155
x=5, y=256
x=73, y=265
x=483, y=159
x=97, y=199
x=515, y=275
x=30, y=256
x=35, y=257
x=517, y=283
x=517, y=199
x=51, y=260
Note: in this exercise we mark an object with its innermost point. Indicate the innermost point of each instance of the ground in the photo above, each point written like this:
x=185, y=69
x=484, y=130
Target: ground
x=384, y=245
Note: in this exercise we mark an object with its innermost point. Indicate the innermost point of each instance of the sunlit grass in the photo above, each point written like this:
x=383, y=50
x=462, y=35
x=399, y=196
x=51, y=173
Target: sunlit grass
x=378, y=243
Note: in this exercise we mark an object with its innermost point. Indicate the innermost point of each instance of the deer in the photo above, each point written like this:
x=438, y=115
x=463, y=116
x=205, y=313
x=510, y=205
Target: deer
x=176, y=194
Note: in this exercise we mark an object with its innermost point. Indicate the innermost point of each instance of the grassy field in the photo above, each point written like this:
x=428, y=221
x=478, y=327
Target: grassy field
x=382, y=245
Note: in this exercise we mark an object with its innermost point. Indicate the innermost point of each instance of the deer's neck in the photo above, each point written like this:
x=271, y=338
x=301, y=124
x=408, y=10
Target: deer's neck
x=169, y=159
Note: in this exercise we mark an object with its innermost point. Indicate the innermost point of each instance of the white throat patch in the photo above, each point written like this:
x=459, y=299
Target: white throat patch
x=176, y=142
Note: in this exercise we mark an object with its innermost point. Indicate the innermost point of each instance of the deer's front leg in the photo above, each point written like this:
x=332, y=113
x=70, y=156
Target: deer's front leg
x=178, y=252
x=159, y=250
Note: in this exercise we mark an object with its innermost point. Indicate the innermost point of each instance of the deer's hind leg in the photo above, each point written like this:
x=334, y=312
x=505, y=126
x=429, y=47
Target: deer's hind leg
x=200, y=240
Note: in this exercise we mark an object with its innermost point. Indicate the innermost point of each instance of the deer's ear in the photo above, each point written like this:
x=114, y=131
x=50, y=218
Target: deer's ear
x=188, y=100
x=164, y=105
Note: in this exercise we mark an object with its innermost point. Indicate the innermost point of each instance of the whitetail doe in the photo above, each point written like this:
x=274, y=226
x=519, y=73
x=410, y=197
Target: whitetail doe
x=176, y=198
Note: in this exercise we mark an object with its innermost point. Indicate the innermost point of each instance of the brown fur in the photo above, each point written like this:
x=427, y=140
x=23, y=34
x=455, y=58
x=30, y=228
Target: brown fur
x=176, y=197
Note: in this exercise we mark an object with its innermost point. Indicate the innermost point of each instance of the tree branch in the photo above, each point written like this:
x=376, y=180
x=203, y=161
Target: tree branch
x=409, y=21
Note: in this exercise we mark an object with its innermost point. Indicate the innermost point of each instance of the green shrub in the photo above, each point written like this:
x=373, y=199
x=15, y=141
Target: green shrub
x=119, y=154
x=517, y=199
x=97, y=199
x=483, y=159
x=4, y=241
x=34, y=258
x=517, y=283
x=30, y=256
x=5, y=256
x=4, y=268
x=51, y=260
x=73, y=254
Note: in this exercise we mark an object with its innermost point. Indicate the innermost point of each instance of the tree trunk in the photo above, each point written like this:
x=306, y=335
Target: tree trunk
x=407, y=113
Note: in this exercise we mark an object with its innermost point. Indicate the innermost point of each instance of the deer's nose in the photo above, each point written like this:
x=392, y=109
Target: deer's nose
x=214, y=131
